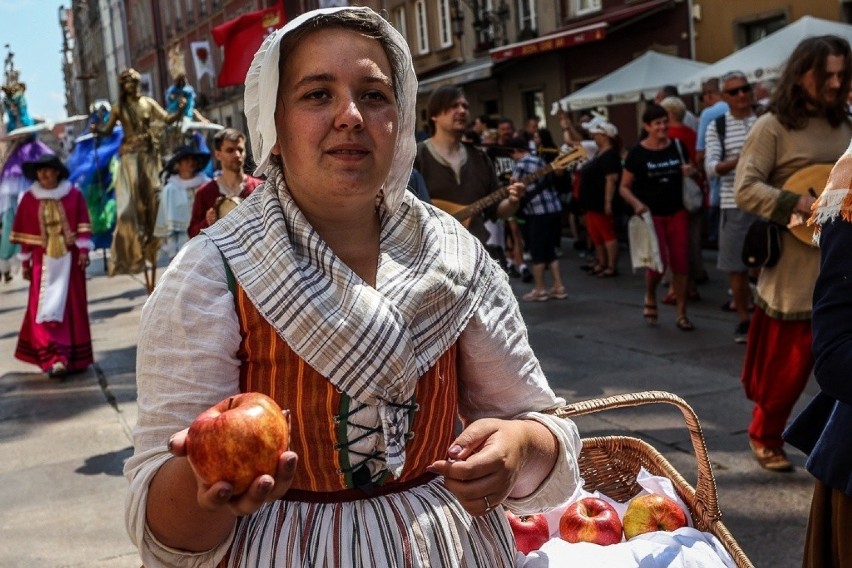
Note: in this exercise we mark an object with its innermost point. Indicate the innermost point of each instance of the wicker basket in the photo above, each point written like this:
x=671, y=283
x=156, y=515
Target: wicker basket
x=610, y=464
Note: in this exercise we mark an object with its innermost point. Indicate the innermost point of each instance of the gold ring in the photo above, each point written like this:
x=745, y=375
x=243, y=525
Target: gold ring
x=487, y=504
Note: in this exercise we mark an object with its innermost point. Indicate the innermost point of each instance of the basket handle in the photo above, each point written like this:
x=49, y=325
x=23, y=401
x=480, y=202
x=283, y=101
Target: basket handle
x=706, y=497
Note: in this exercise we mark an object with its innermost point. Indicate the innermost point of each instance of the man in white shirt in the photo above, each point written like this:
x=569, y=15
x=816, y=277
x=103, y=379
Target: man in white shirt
x=725, y=138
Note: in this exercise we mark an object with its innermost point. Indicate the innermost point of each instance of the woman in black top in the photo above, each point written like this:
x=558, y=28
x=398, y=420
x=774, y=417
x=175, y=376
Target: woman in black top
x=652, y=181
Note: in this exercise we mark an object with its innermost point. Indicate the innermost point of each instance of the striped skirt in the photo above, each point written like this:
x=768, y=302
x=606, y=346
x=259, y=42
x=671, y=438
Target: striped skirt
x=423, y=526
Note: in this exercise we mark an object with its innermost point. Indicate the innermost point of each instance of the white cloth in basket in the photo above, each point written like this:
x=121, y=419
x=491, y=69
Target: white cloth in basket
x=683, y=548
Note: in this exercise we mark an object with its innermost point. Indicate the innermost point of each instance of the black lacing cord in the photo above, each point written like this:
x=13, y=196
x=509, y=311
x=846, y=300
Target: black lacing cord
x=360, y=470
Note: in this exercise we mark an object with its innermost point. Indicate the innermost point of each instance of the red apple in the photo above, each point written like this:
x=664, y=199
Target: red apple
x=590, y=520
x=531, y=531
x=237, y=440
x=652, y=512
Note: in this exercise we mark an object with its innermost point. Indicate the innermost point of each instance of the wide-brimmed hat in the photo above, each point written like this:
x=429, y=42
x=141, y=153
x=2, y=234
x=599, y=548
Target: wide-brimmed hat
x=45, y=161
x=201, y=158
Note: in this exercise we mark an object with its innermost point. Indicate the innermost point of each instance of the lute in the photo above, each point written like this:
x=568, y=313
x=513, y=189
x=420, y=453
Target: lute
x=464, y=212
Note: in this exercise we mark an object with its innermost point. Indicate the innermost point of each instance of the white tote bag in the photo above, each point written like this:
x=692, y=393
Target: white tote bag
x=644, y=248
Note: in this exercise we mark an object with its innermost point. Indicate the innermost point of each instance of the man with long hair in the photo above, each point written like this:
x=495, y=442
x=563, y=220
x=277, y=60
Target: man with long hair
x=806, y=124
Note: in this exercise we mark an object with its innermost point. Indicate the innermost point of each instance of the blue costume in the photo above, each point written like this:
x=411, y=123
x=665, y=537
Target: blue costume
x=92, y=164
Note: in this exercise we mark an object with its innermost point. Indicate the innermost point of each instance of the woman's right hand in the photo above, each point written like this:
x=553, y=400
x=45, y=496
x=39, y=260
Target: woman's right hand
x=265, y=488
x=639, y=207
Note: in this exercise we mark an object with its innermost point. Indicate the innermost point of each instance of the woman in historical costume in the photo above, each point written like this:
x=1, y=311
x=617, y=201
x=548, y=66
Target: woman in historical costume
x=134, y=243
x=52, y=227
x=377, y=320
x=185, y=175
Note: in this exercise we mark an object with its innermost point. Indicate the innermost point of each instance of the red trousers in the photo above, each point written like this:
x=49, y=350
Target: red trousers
x=778, y=363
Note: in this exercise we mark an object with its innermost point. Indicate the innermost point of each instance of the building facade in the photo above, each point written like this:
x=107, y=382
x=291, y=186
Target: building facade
x=515, y=58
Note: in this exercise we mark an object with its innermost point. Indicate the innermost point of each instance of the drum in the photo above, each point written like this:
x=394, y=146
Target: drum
x=224, y=205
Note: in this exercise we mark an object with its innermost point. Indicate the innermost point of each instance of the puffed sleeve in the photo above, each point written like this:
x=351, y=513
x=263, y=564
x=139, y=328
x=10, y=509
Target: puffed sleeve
x=501, y=377
x=186, y=362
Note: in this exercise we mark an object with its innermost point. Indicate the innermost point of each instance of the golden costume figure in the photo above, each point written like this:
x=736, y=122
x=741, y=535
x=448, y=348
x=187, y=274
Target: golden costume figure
x=134, y=247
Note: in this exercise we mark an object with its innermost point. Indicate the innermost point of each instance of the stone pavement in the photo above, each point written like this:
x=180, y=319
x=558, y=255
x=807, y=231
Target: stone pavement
x=64, y=442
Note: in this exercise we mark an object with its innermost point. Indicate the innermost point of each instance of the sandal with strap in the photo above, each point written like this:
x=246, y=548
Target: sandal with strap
x=649, y=312
x=558, y=293
x=670, y=299
x=607, y=272
x=536, y=296
x=684, y=324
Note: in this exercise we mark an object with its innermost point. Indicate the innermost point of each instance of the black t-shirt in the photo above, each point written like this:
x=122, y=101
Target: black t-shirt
x=658, y=179
x=593, y=179
x=501, y=157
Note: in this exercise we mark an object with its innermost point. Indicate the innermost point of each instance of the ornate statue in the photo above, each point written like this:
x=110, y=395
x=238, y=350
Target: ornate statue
x=13, y=90
x=134, y=247
x=23, y=148
x=180, y=95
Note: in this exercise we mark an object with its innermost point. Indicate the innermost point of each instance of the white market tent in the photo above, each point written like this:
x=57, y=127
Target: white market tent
x=638, y=80
x=765, y=58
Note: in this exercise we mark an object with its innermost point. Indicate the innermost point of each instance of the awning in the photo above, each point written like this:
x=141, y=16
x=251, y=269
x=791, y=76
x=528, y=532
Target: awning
x=589, y=30
x=471, y=71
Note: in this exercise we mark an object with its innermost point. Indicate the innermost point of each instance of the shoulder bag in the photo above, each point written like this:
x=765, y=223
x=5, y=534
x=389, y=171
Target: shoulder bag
x=693, y=197
x=762, y=244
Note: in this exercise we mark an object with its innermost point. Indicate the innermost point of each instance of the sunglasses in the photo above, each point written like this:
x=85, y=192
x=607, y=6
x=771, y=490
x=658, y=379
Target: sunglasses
x=737, y=90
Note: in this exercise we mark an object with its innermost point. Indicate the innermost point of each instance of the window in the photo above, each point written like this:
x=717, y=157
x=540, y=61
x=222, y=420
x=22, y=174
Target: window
x=399, y=21
x=167, y=17
x=759, y=29
x=444, y=25
x=534, y=106
x=178, y=16
x=422, y=27
x=585, y=6
x=527, y=16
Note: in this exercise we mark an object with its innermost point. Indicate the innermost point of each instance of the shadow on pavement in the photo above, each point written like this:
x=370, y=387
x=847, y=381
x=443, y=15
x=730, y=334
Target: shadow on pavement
x=110, y=463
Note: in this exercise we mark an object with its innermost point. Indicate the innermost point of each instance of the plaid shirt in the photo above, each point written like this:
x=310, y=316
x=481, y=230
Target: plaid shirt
x=542, y=197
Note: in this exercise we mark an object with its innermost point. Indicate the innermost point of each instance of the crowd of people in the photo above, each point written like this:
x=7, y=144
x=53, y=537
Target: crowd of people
x=362, y=270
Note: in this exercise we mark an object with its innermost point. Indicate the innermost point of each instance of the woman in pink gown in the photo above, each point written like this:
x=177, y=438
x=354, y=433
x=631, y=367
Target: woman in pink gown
x=52, y=226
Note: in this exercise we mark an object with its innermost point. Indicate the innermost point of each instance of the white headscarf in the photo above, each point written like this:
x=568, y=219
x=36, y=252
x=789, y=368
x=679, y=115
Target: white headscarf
x=261, y=96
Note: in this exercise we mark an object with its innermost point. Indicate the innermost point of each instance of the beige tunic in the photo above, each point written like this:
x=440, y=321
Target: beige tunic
x=772, y=154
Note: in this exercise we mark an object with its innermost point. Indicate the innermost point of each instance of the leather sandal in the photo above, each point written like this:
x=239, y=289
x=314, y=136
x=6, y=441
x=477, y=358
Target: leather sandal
x=558, y=293
x=684, y=324
x=772, y=459
x=536, y=296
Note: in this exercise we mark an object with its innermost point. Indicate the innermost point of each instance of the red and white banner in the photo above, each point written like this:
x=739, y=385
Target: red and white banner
x=202, y=59
x=240, y=39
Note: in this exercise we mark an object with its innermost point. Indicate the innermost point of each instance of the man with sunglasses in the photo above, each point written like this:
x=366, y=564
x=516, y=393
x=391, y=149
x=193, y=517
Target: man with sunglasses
x=724, y=141
x=806, y=124
x=713, y=108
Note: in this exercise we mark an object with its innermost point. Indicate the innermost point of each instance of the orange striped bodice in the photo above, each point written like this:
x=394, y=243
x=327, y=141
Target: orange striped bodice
x=318, y=409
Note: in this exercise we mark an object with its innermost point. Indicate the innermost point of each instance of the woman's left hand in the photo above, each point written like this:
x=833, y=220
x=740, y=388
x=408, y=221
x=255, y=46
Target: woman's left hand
x=83, y=260
x=484, y=462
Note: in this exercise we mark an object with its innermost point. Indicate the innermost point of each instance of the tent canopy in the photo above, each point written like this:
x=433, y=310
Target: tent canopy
x=765, y=58
x=637, y=80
